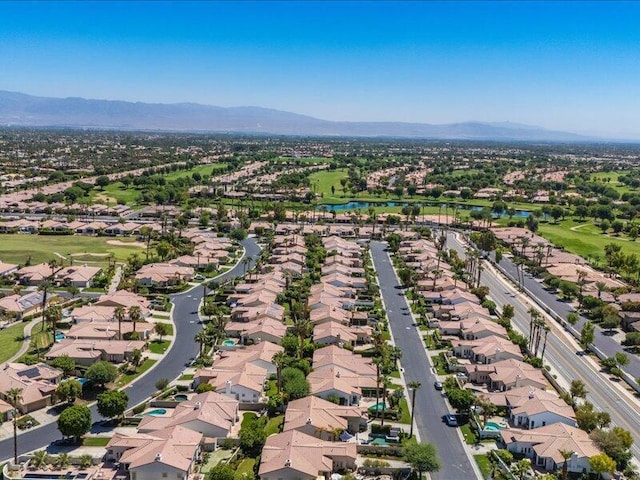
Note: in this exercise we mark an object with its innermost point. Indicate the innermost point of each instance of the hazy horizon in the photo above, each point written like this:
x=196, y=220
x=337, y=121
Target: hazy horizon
x=568, y=66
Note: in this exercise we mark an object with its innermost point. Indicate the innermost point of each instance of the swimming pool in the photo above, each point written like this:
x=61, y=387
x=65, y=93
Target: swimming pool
x=60, y=336
x=180, y=397
x=228, y=343
x=492, y=427
x=378, y=407
x=158, y=412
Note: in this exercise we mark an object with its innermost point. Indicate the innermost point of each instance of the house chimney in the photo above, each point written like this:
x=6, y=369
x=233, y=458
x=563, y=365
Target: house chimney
x=158, y=457
x=287, y=463
x=197, y=406
x=518, y=381
x=338, y=374
x=227, y=387
x=531, y=394
x=309, y=421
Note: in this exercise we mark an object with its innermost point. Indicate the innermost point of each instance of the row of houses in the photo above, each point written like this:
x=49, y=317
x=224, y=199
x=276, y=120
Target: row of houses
x=540, y=423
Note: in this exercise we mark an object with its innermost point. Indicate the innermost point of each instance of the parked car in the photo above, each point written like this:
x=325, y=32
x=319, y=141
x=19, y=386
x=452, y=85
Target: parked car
x=437, y=385
x=451, y=420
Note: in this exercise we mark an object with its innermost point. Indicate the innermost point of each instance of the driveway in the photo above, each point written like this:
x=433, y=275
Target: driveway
x=185, y=316
x=430, y=405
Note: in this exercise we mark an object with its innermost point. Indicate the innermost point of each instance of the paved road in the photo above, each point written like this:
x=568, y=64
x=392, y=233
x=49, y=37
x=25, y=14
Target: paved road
x=603, y=342
x=185, y=315
x=430, y=405
x=561, y=354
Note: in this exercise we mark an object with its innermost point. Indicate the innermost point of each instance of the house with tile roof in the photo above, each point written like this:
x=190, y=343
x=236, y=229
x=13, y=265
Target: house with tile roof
x=544, y=445
x=295, y=455
x=210, y=413
x=323, y=419
x=38, y=384
x=168, y=453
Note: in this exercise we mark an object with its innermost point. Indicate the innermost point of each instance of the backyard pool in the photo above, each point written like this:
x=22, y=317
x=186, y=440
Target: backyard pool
x=158, y=412
x=378, y=407
x=228, y=343
x=59, y=336
x=180, y=397
x=493, y=427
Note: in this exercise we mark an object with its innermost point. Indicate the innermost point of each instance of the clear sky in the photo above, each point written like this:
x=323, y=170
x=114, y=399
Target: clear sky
x=562, y=65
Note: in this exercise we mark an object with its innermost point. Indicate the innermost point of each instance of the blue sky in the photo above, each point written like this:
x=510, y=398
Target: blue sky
x=562, y=65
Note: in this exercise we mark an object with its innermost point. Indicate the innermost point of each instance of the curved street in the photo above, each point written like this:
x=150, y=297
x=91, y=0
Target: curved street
x=183, y=350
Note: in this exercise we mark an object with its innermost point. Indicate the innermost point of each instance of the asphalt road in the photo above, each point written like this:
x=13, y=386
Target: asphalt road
x=430, y=405
x=185, y=316
x=561, y=354
x=603, y=342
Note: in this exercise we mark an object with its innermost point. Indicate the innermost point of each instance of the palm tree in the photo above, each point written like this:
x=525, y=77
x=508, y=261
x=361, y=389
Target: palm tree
x=279, y=360
x=385, y=384
x=413, y=385
x=135, y=314
x=62, y=460
x=566, y=455
x=14, y=396
x=534, y=316
x=202, y=338
x=119, y=313
x=303, y=328
x=39, y=459
x=53, y=314
x=546, y=330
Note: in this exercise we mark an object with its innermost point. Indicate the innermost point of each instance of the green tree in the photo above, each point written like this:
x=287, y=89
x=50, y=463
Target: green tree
x=461, y=399
x=588, y=418
x=221, y=471
x=161, y=329
x=69, y=390
x=578, y=389
x=422, y=457
x=602, y=463
x=64, y=363
x=161, y=384
x=112, y=404
x=101, y=373
x=75, y=421
x=573, y=318
x=294, y=383
x=62, y=460
x=587, y=334
x=616, y=443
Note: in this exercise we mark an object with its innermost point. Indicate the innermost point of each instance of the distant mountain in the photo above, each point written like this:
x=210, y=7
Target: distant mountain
x=17, y=109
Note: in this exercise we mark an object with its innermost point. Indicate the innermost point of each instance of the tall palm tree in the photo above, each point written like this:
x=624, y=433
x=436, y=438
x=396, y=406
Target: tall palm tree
x=546, y=330
x=303, y=328
x=119, y=313
x=413, y=385
x=53, y=314
x=202, y=338
x=566, y=455
x=14, y=396
x=385, y=384
x=280, y=360
x=135, y=314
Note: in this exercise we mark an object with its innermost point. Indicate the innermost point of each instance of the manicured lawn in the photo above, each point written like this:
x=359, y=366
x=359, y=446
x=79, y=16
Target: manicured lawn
x=406, y=414
x=206, y=169
x=274, y=425
x=586, y=241
x=467, y=433
x=187, y=376
x=248, y=418
x=169, y=326
x=95, y=441
x=114, y=193
x=327, y=178
x=127, y=378
x=484, y=464
x=15, y=248
x=272, y=389
x=245, y=469
x=158, y=346
x=9, y=341
x=439, y=364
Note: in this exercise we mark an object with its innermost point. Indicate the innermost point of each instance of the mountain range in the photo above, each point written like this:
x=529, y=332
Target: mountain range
x=18, y=109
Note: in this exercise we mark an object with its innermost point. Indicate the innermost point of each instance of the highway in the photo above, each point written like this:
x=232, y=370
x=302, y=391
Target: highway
x=561, y=353
x=603, y=342
x=430, y=405
x=183, y=350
